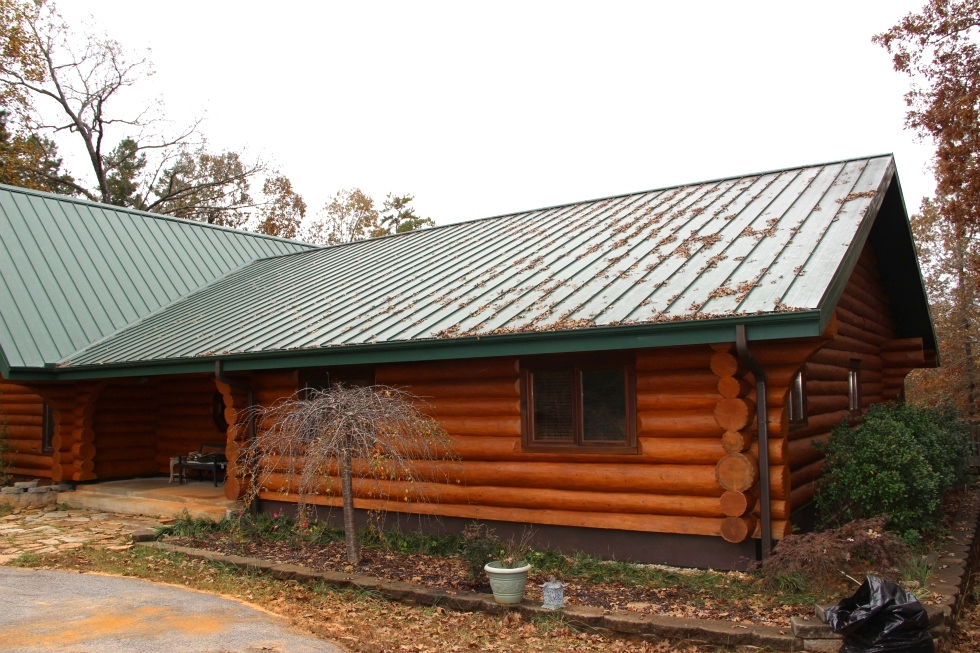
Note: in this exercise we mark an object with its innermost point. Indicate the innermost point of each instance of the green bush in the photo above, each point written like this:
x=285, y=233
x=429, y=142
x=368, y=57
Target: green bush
x=899, y=462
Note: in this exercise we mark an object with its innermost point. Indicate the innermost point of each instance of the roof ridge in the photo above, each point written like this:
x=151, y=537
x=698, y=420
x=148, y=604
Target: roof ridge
x=563, y=205
x=148, y=214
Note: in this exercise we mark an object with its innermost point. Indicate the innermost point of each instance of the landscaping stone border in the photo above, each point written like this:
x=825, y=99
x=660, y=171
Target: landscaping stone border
x=20, y=498
x=948, y=584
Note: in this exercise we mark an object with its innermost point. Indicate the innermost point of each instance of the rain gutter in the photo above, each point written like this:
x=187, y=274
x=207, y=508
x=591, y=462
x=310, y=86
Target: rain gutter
x=746, y=358
x=778, y=326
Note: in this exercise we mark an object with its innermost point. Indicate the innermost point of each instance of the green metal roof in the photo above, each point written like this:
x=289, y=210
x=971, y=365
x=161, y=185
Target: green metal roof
x=680, y=265
x=73, y=272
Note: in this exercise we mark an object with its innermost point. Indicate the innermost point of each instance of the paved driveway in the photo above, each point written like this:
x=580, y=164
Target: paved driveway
x=88, y=613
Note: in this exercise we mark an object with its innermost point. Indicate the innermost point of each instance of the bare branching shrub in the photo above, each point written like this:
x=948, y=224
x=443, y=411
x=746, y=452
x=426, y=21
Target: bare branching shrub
x=372, y=442
x=816, y=560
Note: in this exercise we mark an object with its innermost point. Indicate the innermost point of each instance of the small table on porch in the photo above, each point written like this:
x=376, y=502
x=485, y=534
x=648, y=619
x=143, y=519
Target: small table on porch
x=213, y=465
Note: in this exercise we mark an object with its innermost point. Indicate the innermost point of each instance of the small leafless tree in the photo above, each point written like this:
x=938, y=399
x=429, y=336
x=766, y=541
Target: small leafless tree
x=376, y=433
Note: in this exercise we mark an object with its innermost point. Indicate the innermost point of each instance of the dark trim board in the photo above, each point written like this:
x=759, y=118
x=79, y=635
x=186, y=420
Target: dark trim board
x=671, y=549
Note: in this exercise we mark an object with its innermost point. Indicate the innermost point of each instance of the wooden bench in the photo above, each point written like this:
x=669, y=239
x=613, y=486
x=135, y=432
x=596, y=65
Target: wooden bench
x=211, y=458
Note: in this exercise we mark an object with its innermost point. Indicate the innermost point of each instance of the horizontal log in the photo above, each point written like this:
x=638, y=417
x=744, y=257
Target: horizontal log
x=23, y=420
x=807, y=474
x=651, y=450
x=120, y=468
x=816, y=388
x=866, y=288
x=792, y=351
x=687, y=480
x=778, y=450
x=79, y=476
x=869, y=314
x=903, y=344
x=60, y=473
x=737, y=472
x=817, y=371
x=39, y=461
x=801, y=452
x=25, y=446
x=468, y=389
x=780, y=481
x=679, y=424
x=677, y=401
x=446, y=371
x=679, y=381
x=673, y=358
x=904, y=359
x=125, y=453
x=820, y=404
x=615, y=521
x=476, y=407
x=778, y=422
x=843, y=359
x=856, y=326
x=81, y=466
x=17, y=432
x=818, y=424
x=31, y=472
x=66, y=457
x=734, y=414
x=463, y=426
x=800, y=496
x=10, y=409
x=544, y=499
x=780, y=528
x=737, y=529
x=852, y=345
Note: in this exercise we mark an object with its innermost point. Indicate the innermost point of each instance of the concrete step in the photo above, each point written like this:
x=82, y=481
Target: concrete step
x=151, y=497
x=143, y=506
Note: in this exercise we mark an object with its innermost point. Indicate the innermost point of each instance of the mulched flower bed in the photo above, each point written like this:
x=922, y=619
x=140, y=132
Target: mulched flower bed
x=451, y=574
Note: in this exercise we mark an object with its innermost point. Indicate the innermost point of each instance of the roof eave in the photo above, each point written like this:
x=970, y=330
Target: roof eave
x=768, y=326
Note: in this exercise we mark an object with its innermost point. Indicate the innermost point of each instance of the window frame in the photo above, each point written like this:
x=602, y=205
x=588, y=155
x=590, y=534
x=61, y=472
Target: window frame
x=854, y=398
x=47, y=428
x=576, y=365
x=797, y=397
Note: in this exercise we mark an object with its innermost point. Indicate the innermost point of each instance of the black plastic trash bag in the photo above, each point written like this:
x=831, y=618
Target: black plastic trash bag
x=881, y=616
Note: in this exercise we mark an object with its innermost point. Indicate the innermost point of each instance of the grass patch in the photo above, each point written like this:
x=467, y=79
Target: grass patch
x=26, y=560
x=5, y=509
x=578, y=567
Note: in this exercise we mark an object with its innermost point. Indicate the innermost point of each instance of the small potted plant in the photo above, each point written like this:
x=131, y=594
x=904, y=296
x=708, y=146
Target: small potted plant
x=508, y=574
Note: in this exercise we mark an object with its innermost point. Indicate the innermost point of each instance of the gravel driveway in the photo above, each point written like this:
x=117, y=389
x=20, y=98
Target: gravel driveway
x=64, y=611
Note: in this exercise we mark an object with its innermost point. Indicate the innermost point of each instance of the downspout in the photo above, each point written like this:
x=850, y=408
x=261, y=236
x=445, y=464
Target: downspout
x=249, y=396
x=749, y=362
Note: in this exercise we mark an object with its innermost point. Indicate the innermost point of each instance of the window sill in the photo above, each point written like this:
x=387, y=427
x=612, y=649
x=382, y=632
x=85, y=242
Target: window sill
x=610, y=449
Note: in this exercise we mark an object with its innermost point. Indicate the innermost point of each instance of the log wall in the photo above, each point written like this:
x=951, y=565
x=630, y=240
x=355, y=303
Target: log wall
x=23, y=412
x=184, y=421
x=125, y=423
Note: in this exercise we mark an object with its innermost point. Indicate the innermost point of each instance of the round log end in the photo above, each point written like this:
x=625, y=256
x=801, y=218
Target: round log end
x=737, y=441
x=737, y=472
x=724, y=364
x=737, y=529
x=734, y=414
x=731, y=387
x=736, y=504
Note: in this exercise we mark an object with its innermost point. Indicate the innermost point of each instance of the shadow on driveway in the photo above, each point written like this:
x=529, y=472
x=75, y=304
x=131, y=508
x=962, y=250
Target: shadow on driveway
x=63, y=611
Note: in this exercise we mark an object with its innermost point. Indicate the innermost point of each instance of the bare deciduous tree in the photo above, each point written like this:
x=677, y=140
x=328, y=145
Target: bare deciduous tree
x=316, y=438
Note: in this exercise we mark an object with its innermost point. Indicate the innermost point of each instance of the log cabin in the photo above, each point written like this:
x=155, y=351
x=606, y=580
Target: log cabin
x=640, y=376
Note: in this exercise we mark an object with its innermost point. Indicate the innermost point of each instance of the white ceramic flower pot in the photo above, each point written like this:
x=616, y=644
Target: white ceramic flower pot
x=507, y=584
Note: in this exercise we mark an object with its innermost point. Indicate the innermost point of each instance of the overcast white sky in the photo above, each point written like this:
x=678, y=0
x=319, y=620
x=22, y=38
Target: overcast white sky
x=481, y=109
